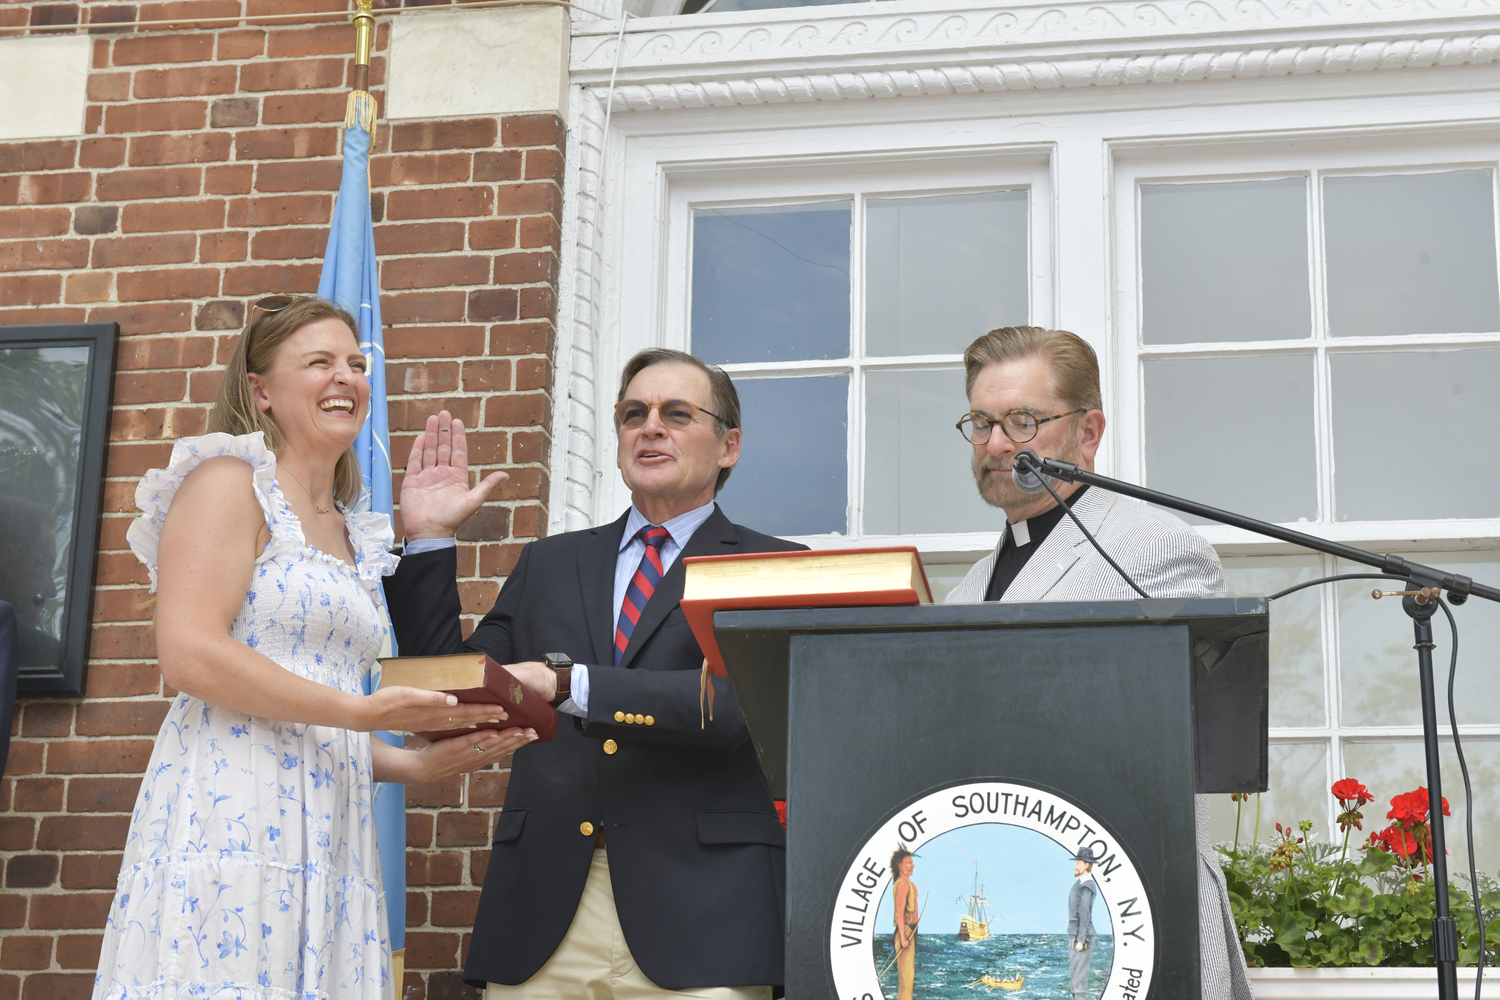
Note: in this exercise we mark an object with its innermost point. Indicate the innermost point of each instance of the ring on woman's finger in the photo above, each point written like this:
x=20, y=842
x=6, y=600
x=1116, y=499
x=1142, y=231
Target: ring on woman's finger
x=450, y=719
x=478, y=749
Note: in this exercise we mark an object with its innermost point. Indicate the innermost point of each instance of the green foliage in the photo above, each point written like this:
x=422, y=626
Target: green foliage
x=1298, y=903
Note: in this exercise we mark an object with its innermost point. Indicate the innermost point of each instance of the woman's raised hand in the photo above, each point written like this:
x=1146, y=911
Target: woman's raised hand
x=414, y=710
x=435, y=494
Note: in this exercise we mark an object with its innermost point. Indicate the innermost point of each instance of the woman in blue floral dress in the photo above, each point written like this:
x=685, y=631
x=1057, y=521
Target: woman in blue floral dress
x=251, y=867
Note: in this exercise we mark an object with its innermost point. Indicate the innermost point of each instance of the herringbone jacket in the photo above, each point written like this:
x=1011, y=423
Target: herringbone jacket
x=1161, y=552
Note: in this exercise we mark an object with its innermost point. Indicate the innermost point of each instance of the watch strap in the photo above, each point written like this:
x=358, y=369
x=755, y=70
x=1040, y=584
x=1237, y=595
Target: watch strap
x=562, y=666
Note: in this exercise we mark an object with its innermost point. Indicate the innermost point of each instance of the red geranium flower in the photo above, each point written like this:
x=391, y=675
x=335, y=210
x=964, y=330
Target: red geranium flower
x=1395, y=840
x=1351, y=793
x=1412, y=808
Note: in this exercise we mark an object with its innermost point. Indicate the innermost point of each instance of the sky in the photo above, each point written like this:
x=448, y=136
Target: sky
x=1025, y=875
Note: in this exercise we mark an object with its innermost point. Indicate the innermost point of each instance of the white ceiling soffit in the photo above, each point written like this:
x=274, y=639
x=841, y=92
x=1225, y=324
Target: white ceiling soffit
x=911, y=47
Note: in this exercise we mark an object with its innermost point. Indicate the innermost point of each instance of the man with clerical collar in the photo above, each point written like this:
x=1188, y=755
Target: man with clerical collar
x=1039, y=389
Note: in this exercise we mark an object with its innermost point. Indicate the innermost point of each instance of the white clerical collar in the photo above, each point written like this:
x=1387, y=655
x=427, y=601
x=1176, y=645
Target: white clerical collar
x=1020, y=533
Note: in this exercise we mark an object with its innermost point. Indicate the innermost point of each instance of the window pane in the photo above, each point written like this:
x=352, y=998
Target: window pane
x=1411, y=254
x=1389, y=769
x=1225, y=261
x=941, y=271
x=1414, y=434
x=42, y=393
x=1235, y=433
x=1296, y=633
x=771, y=284
x=793, y=473
x=917, y=475
x=1299, y=785
x=1379, y=666
x=942, y=577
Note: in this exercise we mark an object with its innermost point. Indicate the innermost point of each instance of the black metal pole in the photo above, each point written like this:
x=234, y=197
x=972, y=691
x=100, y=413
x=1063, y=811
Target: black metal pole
x=1444, y=932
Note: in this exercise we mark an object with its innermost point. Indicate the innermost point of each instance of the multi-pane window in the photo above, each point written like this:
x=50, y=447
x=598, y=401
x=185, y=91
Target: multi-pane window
x=1320, y=346
x=843, y=321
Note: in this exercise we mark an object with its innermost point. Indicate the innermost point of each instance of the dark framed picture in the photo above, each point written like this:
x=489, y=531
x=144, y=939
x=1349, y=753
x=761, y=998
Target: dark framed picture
x=54, y=424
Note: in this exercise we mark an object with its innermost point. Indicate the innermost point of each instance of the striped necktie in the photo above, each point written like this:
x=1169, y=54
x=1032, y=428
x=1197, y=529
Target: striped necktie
x=647, y=575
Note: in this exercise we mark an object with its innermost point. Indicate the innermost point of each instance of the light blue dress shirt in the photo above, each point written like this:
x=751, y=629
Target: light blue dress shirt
x=680, y=530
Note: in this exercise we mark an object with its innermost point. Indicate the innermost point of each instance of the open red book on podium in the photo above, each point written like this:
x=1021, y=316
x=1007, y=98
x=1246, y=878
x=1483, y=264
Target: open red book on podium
x=829, y=578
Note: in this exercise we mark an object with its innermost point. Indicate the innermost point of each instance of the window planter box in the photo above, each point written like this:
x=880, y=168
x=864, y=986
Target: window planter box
x=1357, y=984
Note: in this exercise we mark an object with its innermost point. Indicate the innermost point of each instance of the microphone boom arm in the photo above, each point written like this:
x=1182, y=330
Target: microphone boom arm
x=1458, y=587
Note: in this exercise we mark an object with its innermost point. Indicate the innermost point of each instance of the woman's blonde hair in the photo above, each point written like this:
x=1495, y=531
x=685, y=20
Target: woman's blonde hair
x=235, y=412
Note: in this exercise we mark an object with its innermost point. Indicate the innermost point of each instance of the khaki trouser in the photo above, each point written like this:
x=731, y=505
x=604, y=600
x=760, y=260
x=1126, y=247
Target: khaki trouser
x=594, y=963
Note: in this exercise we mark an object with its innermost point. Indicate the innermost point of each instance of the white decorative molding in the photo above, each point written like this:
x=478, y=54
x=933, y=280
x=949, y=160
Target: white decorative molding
x=907, y=48
x=1171, y=67
x=908, y=26
x=574, y=421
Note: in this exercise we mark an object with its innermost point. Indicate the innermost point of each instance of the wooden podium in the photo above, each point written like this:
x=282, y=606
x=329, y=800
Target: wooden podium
x=1116, y=712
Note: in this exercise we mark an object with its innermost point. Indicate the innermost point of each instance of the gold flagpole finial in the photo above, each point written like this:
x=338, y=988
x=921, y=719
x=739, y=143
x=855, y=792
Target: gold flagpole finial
x=361, y=109
x=364, y=42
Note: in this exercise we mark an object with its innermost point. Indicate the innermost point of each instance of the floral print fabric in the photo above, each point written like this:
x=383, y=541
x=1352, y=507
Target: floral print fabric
x=251, y=867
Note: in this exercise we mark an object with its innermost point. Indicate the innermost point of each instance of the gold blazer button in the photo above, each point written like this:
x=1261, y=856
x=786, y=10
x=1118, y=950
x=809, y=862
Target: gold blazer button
x=650, y=721
x=619, y=716
x=610, y=746
x=586, y=828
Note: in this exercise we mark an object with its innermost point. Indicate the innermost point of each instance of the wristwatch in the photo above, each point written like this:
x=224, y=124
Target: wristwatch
x=562, y=664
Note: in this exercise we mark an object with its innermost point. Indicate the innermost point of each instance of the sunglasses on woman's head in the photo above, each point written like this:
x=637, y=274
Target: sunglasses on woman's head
x=276, y=303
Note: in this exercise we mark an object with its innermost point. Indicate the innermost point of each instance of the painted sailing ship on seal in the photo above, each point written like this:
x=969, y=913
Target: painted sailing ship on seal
x=974, y=925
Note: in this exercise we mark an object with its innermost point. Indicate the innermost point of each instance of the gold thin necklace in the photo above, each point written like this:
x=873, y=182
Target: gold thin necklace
x=320, y=510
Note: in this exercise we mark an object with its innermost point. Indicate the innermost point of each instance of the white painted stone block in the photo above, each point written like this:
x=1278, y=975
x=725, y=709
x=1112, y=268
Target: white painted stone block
x=43, y=86
x=483, y=62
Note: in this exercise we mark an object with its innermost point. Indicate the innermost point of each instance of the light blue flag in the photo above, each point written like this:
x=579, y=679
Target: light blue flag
x=350, y=279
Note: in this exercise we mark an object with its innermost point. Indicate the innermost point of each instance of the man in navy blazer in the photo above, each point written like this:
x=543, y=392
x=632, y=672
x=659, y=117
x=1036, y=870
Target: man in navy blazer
x=639, y=853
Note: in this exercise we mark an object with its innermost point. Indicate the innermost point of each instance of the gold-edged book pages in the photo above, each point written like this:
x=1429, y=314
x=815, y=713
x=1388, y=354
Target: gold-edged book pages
x=434, y=673
x=827, y=578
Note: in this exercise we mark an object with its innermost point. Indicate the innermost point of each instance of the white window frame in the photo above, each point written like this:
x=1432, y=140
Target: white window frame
x=1398, y=151
x=1314, y=157
x=791, y=180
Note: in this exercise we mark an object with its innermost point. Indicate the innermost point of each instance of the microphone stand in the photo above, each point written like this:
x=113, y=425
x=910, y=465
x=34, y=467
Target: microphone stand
x=1424, y=584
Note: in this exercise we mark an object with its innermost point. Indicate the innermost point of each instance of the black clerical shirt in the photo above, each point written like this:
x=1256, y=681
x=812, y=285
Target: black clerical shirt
x=1013, y=557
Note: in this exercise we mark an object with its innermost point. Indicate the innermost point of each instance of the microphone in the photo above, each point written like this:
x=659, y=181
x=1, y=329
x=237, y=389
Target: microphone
x=1025, y=472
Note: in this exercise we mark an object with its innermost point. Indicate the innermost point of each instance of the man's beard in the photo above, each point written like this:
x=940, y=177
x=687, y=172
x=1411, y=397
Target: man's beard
x=1000, y=490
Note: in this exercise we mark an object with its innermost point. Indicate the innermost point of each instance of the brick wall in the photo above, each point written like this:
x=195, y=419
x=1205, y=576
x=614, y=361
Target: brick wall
x=205, y=180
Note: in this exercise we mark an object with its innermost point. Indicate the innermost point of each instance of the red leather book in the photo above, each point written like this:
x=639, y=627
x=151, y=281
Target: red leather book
x=827, y=578
x=474, y=678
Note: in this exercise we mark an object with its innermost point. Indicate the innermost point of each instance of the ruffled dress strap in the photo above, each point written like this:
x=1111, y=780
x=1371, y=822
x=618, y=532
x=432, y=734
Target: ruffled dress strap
x=373, y=538
x=156, y=489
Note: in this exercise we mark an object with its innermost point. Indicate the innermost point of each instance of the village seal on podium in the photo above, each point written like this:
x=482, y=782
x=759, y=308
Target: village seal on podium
x=992, y=888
